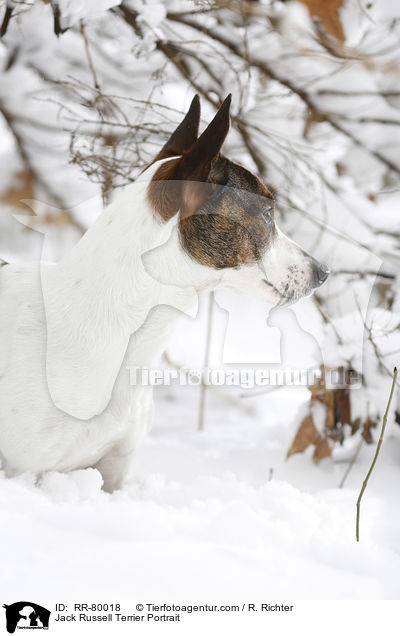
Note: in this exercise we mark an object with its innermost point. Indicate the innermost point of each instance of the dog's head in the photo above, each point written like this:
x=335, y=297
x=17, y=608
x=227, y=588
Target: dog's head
x=226, y=215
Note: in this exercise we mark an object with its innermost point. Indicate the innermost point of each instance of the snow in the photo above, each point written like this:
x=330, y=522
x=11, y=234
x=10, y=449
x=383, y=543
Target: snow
x=200, y=516
x=76, y=9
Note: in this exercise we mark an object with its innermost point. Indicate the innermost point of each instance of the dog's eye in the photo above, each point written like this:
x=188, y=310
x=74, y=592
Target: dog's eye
x=268, y=211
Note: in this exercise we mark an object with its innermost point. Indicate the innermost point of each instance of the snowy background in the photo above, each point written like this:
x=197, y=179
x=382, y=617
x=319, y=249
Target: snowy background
x=89, y=92
x=216, y=516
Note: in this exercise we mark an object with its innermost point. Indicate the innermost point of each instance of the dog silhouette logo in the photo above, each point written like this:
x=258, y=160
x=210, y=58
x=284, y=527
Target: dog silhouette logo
x=26, y=615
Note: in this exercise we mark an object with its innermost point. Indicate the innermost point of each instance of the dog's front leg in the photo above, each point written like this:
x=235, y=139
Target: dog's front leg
x=114, y=466
x=115, y=463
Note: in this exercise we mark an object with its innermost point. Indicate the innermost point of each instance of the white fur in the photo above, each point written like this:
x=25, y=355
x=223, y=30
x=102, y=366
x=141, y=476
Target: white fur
x=69, y=331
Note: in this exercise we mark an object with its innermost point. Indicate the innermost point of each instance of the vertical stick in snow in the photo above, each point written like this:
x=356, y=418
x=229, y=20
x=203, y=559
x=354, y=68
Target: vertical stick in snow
x=206, y=360
x=378, y=447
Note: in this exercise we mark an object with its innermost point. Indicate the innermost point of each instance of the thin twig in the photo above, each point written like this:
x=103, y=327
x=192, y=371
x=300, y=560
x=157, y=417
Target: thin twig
x=356, y=454
x=326, y=318
x=206, y=360
x=358, y=93
x=362, y=274
x=89, y=57
x=55, y=7
x=6, y=19
x=378, y=447
x=352, y=462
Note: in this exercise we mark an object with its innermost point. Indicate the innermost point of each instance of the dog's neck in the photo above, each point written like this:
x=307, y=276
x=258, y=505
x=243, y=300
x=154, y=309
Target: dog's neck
x=108, y=288
x=130, y=257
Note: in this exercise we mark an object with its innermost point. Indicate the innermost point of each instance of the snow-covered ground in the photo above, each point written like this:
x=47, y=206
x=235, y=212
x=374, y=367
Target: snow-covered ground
x=211, y=515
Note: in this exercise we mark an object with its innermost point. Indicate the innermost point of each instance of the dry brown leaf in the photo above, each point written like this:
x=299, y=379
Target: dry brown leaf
x=337, y=403
x=341, y=169
x=343, y=411
x=355, y=425
x=366, y=432
x=329, y=402
x=22, y=188
x=328, y=13
x=322, y=450
x=306, y=436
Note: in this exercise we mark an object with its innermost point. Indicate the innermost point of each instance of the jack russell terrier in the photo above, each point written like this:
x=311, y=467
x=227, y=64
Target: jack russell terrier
x=70, y=330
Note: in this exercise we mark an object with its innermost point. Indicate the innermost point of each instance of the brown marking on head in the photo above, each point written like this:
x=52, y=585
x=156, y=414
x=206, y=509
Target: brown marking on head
x=226, y=215
x=233, y=225
x=164, y=191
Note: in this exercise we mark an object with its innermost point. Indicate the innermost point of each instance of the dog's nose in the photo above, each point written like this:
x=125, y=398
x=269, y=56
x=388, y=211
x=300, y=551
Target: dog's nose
x=321, y=273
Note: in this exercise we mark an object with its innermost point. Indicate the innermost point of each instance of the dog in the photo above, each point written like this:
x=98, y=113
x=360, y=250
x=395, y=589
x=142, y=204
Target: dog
x=192, y=222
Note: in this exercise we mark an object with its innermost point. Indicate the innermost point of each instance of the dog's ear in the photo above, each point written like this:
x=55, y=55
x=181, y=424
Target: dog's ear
x=183, y=138
x=172, y=185
x=196, y=164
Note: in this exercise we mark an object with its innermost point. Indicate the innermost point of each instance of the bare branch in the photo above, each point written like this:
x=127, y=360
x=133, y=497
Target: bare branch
x=6, y=19
x=55, y=7
x=264, y=68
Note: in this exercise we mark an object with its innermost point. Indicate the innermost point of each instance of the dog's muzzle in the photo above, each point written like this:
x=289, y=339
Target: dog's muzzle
x=320, y=273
